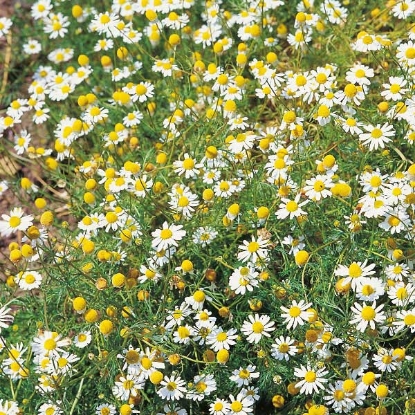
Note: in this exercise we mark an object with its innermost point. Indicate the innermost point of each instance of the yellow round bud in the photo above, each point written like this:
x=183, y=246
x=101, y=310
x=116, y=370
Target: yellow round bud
x=174, y=359
x=278, y=401
x=40, y=203
x=187, y=265
x=83, y=60
x=222, y=356
x=77, y=11
x=301, y=258
x=89, y=198
x=15, y=255
x=47, y=218
x=88, y=246
x=91, y=315
x=106, y=327
x=118, y=280
x=79, y=304
x=156, y=377
x=174, y=39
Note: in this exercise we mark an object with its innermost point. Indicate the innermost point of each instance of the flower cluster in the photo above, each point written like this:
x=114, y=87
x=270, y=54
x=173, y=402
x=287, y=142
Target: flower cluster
x=216, y=208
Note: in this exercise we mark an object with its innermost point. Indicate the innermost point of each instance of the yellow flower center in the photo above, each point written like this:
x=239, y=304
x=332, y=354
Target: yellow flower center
x=376, y=133
x=199, y=296
x=132, y=357
x=30, y=279
x=387, y=359
x=146, y=363
x=62, y=362
x=301, y=80
x=183, y=332
x=236, y=406
x=394, y=221
x=104, y=19
x=367, y=290
x=395, y=88
x=50, y=344
x=338, y=395
x=294, y=311
x=409, y=320
x=283, y=347
x=375, y=181
x=321, y=78
x=410, y=53
x=128, y=384
x=201, y=386
x=291, y=206
x=111, y=217
x=310, y=376
x=253, y=247
x=171, y=386
x=222, y=336
x=369, y=378
x=323, y=111
x=257, y=327
x=188, y=164
x=14, y=221
x=350, y=90
x=319, y=186
x=368, y=313
x=166, y=234
x=354, y=270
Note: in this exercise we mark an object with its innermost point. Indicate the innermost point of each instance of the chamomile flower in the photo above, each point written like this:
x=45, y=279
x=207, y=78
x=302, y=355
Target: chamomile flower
x=243, y=279
x=312, y=380
x=49, y=343
x=219, y=339
x=367, y=315
x=241, y=405
x=173, y=388
x=105, y=409
x=369, y=288
x=167, y=236
x=219, y=407
x=291, y=208
x=283, y=348
x=354, y=272
x=187, y=167
x=49, y=408
x=254, y=251
x=29, y=280
x=107, y=24
x=360, y=74
x=385, y=360
x=244, y=375
x=197, y=300
x=318, y=187
x=295, y=244
x=395, y=89
x=128, y=386
x=256, y=327
x=405, y=319
x=204, y=385
x=82, y=339
x=403, y=9
x=396, y=222
x=15, y=221
x=402, y=294
x=337, y=398
x=5, y=25
x=296, y=314
x=204, y=235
